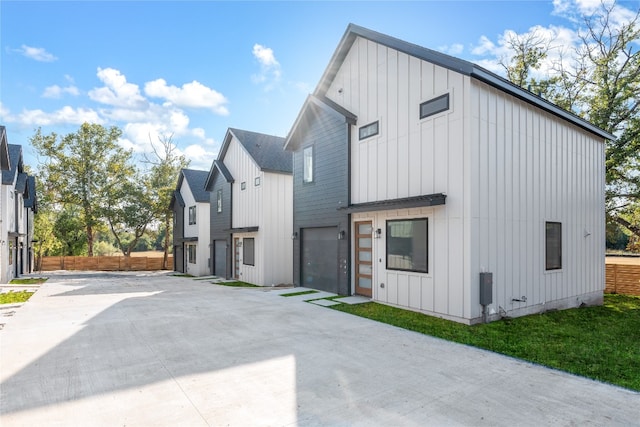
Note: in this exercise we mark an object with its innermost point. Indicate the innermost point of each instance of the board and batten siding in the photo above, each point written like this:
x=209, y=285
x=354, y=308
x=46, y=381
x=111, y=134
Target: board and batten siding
x=316, y=204
x=277, y=217
x=410, y=157
x=245, y=212
x=529, y=167
x=200, y=230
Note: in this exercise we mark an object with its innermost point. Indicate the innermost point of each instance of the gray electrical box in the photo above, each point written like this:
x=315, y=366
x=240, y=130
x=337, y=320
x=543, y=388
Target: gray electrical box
x=486, y=288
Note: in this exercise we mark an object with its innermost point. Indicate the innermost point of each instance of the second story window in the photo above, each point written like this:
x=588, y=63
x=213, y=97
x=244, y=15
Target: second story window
x=368, y=130
x=192, y=215
x=307, y=164
x=219, y=200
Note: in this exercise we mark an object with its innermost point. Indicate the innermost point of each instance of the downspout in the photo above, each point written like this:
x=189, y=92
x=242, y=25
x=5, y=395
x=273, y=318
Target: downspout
x=349, y=291
x=231, y=249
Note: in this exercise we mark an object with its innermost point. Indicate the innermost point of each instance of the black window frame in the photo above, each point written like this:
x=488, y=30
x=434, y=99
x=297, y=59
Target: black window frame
x=552, y=246
x=192, y=215
x=252, y=257
x=310, y=148
x=389, y=240
x=434, y=101
x=243, y=185
x=364, y=128
x=256, y=181
x=191, y=254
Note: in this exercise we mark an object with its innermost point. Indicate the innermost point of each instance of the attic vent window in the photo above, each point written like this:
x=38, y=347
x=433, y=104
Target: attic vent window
x=434, y=106
x=368, y=130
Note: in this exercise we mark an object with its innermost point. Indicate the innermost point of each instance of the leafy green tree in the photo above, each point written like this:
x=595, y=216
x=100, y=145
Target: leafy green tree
x=600, y=82
x=165, y=164
x=86, y=162
x=68, y=229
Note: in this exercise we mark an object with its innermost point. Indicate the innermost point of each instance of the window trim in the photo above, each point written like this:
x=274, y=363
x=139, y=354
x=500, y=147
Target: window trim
x=366, y=127
x=244, y=250
x=387, y=239
x=192, y=215
x=551, y=266
x=433, y=101
x=256, y=181
x=191, y=254
x=312, y=150
x=219, y=201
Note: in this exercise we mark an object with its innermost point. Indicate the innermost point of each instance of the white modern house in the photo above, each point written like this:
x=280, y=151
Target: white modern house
x=251, y=190
x=17, y=208
x=190, y=205
x=426, y=182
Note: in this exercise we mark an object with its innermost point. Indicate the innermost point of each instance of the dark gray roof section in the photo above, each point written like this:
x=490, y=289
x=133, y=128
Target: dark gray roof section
x=196, y=180
x=464, y=67
x=217, y=167
x=266, y=150
x=176, y=198
x=21, y=183
x=408, y=202
x=323, y=103
x=30, y=201
x=4, y=150
x=15, y=159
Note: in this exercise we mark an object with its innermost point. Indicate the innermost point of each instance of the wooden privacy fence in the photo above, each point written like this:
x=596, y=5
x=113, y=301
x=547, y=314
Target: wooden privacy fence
x=622, y=279
x=103, y=263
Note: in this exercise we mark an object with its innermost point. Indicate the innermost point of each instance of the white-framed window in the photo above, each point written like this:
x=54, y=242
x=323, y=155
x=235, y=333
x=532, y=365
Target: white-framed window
x=219, y=201
x=408, y=245
x=307, y=164
x=434, y=106
x=248, y=251
x=369, y=130
x=553, y=245
x=191, y=254
x=192, y=215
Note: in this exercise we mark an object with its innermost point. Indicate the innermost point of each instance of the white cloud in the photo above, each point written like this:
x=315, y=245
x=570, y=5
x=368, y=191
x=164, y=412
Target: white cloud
x=65, y=115
x=56, y=91
x=200, y=157
x=117, y=92
x=190, y=95
x=454, y=49
x=270, y=71
x=36, y=53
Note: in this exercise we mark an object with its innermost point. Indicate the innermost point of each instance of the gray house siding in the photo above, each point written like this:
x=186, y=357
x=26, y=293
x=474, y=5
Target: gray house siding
x=178, y=235
x=316, y=204
x=220, y=225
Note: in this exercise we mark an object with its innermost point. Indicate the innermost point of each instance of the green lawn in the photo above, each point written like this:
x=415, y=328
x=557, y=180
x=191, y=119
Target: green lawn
x=602, y=342
x=28, y=281
x=14, y=297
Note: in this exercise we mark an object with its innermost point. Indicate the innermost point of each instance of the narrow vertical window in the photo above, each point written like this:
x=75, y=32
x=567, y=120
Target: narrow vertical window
x=192, y=215
x=553, y=246
x=219, y=200
x=243, y=185
x=307, y=174
x=256, y=182
x=248, y=254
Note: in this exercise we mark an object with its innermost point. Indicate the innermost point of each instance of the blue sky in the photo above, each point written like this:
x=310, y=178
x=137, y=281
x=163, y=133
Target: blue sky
x=194, y=69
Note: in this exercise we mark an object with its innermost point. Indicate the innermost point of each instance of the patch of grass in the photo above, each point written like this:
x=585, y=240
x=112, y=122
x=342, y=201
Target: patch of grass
x=295, y=294
x=14, y=297
x=237, y=284
x=182, y=275
x=29, y=281
x=602, y=343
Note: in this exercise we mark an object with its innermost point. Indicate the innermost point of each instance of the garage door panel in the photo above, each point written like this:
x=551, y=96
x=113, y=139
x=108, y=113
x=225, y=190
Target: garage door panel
x=320, y=258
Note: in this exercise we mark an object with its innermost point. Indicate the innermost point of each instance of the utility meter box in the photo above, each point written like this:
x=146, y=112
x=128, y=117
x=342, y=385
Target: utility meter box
x=486, y=288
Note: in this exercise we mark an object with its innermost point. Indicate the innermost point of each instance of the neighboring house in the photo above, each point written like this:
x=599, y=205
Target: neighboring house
x=30, y=210
x=16, y=227
x=5, y=165
x=190, y=205
x=251, y=209
x=426, y=182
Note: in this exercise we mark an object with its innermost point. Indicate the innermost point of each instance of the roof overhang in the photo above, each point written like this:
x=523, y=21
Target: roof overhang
x=407, y=202
x=243, y=229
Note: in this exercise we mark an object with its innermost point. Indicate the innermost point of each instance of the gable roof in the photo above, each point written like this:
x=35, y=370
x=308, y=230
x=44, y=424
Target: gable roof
x=15, y=160
x=30, y=199
x=322, y=103
x=176, y=197
x=196, y=180
x=459, y=65
x=267, y=151
x=217, y=167
x=4, y=150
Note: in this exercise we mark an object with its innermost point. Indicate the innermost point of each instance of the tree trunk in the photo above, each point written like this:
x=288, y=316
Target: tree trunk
x=90, y=240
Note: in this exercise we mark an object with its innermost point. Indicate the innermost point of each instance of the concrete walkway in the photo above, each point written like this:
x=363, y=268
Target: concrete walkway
x=148, y=349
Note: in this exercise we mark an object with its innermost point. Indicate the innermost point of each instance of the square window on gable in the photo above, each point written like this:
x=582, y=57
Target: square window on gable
x=434, y=106
x=256, y=182
x=243, y=185
x=369, y=130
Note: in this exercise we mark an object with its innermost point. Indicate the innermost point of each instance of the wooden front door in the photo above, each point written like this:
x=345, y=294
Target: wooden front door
x=364, y=258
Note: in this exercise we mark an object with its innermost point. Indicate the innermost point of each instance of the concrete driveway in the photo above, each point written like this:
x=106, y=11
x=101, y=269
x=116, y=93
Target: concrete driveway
x=149, y=349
